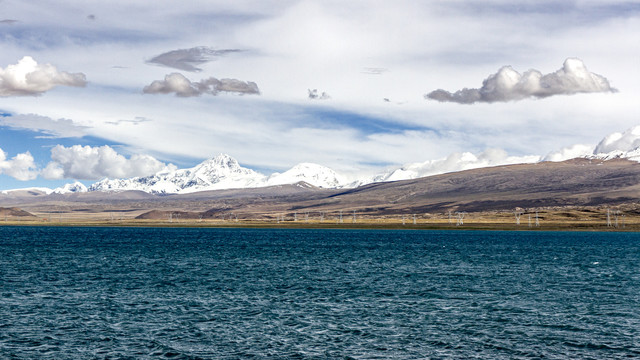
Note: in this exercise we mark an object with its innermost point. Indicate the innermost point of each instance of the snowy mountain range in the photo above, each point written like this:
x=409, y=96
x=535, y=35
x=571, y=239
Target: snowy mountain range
x=221, y=172
x=224, y=172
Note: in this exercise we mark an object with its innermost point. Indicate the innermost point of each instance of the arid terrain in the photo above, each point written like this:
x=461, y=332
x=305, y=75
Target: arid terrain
x=580, y=193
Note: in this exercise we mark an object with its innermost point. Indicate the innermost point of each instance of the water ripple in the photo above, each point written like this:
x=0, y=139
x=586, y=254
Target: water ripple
x=78, y=293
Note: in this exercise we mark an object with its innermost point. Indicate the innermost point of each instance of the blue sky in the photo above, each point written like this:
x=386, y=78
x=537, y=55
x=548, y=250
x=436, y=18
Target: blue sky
x=76, y=83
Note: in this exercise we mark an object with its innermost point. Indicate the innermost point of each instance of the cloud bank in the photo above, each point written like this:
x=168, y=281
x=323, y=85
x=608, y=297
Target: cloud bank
x=570, y=152
x=21, y=166
x=509, y=85
x=93, y=163
x=183, y=87
x=27, y=77
x=187, y=59
x=458, y=162
x=61, y=128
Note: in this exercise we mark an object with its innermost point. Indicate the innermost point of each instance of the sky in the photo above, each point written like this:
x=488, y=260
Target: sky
x=93, y=89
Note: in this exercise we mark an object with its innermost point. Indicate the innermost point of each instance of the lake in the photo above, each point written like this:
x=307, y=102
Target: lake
x=167, y=293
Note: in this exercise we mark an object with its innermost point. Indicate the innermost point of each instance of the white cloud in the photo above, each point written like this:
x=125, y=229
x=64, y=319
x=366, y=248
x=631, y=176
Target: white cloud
x=187, y=59
x=508, y=85
x=21, y=166
x=325, y=45
x=314, y=95
x=181, y=86
x=92, y=163
x=570, y=152
x=27, y=77
x=53, y=128
x=458, y=162
x=52, y=171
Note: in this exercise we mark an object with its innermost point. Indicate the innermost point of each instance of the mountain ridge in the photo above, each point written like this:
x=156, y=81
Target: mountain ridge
x=225, y=172
x=573, y=183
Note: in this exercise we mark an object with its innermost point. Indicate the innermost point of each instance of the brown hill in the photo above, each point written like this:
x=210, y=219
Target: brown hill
x=578, y=182
x=13, y=212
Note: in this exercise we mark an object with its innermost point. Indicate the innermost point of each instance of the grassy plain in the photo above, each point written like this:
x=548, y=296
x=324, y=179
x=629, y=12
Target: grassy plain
x=590, y=219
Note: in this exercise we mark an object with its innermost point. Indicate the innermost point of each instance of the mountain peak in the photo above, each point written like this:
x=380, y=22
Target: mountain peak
x=75, y=187
x=224, y=158
x=314, y=174
x=219, y=172
x=221, y=161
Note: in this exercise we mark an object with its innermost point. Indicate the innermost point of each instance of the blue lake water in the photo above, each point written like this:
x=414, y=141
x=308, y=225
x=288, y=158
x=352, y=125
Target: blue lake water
x=145, y=293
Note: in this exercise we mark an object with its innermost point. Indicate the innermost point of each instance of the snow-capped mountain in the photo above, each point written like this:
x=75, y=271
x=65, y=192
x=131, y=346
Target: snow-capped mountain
x=633, y=155
x=624, y=145
x=75, y=187
x=221, y=172
x=314, y=174
x=224, y=172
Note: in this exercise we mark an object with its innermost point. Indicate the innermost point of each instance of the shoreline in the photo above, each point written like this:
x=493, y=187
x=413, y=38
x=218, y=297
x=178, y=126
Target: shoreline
x=364, y=225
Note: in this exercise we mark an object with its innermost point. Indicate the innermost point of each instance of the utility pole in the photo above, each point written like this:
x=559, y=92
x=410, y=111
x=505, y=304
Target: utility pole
x=517, y=213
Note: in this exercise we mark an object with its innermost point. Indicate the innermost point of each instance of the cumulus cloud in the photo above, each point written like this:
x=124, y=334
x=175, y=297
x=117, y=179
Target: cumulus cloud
x=314, y=95
x=21, y=166
x=27, y=77
x=183, y=87
x=509, y=85
x=93, y=163
x=625, y=141
x=187, y=59
x=570, y=152
x=60, y=128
